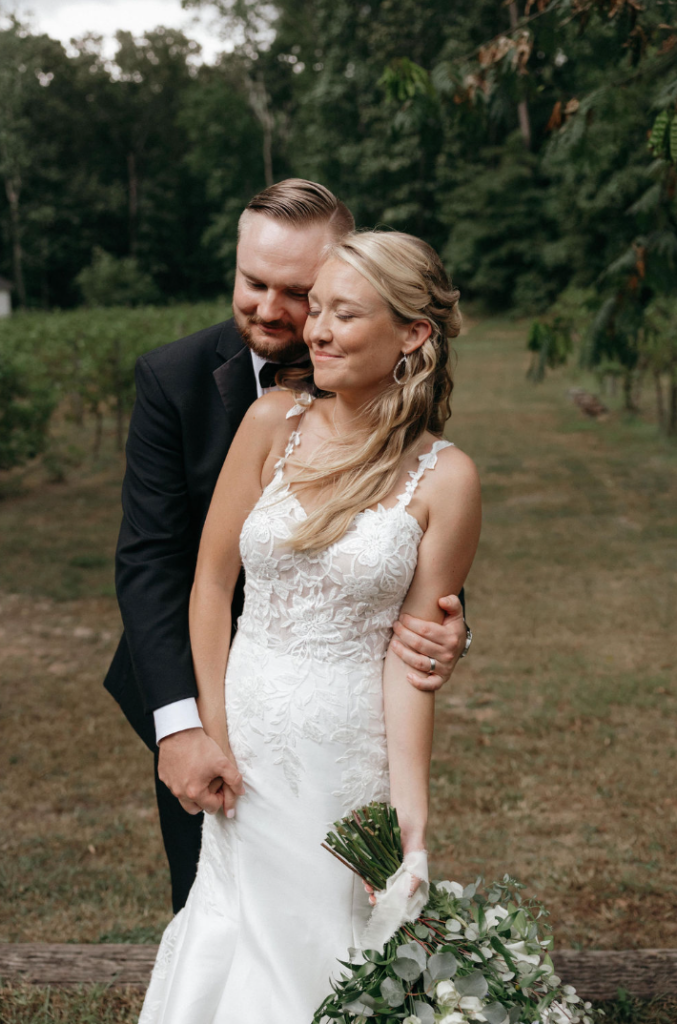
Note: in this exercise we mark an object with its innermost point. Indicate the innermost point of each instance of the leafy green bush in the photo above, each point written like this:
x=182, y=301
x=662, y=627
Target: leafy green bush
x=86, y=356
x=25, y=410
x=113, y=281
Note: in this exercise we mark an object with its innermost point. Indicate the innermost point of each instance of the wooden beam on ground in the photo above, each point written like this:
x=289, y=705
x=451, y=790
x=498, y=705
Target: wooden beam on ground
x=598, y=974
x=64, y=964
x=644, y=973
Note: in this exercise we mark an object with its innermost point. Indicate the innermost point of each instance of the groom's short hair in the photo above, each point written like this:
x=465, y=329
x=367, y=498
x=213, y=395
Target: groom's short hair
x=298, y=202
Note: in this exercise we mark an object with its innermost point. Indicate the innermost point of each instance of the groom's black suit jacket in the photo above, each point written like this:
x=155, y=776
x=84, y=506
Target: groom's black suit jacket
x=191, y=396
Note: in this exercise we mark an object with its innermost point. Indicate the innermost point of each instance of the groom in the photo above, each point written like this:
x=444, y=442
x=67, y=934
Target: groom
x=191, y=396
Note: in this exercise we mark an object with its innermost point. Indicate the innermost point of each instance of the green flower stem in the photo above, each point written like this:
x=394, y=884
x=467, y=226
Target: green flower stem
x=343, y=860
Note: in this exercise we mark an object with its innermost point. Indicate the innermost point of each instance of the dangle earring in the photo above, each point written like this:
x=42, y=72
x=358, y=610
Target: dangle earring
x=400, y=380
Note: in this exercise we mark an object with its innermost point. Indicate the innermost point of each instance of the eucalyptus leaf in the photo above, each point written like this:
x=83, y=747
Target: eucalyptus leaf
x=495, y=1013
x=393, y=992
x=424, y=1012
x=358, y=1007
x=406, y=968
x=421, y=931
x=442, y=966
x=415, y=952
x=473, y=984
x=469, y=891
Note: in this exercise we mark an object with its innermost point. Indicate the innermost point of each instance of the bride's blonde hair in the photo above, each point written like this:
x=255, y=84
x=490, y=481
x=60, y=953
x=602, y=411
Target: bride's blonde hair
x=360, y=469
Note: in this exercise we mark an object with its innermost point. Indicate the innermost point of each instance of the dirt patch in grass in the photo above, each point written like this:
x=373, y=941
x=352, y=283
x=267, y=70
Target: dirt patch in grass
x=556, y=742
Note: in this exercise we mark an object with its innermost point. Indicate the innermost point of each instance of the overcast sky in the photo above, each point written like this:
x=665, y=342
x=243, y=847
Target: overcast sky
x=65, y=19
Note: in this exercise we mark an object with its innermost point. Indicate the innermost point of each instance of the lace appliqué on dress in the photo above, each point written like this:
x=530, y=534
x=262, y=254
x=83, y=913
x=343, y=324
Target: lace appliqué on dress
x=308, y=658
x=217, y=866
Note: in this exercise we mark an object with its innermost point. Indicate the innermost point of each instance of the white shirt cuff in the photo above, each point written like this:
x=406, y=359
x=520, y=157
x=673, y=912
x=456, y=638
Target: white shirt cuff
x=176, y=717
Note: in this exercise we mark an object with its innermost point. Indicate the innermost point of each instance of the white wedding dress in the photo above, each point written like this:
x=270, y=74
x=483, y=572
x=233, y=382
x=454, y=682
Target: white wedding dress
x=270, y=910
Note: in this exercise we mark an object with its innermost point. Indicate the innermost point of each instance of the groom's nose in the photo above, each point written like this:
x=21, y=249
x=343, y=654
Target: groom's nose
x=271, y=305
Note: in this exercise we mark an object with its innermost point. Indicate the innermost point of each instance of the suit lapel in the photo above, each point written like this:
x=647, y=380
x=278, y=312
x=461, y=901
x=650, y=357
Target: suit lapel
x=235, y=377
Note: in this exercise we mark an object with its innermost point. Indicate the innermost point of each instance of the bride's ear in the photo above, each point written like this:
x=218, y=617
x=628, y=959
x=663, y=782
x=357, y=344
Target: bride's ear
x=415, y=334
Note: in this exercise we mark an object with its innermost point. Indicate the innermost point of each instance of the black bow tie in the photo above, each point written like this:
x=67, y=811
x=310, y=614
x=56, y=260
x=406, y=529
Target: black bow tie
x=268, y=371
x=267, y=374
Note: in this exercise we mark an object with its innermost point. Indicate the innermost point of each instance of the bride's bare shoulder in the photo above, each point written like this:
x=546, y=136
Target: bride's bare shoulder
x=270, y=413
x=272, y=406
x=455, y=478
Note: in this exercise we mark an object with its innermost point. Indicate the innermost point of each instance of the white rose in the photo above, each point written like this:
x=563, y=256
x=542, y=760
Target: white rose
x=494, y=915
x=453, y=1018
x=518, y=951
x=446, y=993
x=411, y=1020
x=471, y=1004
x=451, y=887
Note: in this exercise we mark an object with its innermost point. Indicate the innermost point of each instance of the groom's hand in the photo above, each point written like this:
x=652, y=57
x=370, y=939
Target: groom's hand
x=196, y=770
x=416, y=641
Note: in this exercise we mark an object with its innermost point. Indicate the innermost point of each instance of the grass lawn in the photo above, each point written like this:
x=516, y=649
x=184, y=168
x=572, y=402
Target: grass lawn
x=555, y=751
x=98, y=1005
x=556, y=741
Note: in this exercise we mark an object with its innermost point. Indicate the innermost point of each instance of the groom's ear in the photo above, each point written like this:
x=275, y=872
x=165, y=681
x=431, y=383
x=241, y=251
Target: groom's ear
x=416, y=333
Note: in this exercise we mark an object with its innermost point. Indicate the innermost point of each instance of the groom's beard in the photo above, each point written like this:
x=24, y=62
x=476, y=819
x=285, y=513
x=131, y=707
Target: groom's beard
x=290, y=351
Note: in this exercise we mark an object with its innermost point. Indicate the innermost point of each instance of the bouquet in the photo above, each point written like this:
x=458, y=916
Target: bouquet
x=473, y=954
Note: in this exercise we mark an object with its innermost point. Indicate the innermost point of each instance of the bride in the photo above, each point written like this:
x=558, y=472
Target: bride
x=342, y=501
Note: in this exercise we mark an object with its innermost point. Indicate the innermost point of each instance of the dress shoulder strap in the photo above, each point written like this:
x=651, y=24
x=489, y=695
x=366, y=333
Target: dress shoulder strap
x=426, y=461
x=300, y=407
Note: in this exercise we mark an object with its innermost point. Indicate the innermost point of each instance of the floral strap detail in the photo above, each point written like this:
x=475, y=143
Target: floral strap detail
x=302, y=404
x=426, y=461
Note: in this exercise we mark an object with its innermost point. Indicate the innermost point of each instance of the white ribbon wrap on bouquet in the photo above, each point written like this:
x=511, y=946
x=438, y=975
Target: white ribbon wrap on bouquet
x=394, y=906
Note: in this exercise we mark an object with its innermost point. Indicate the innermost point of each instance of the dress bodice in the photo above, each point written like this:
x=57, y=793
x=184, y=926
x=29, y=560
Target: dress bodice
x=338, y=603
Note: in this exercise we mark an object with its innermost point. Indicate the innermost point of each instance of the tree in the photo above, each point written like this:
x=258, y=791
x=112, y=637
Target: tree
x=614, y=198
x=20, y=71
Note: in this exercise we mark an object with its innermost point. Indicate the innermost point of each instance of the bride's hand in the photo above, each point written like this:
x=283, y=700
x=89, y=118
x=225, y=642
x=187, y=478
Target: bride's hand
x=369, y=889
x=220, y=786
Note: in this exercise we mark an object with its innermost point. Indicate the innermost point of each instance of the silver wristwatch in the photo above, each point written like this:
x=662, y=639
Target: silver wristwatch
x=468, y=639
